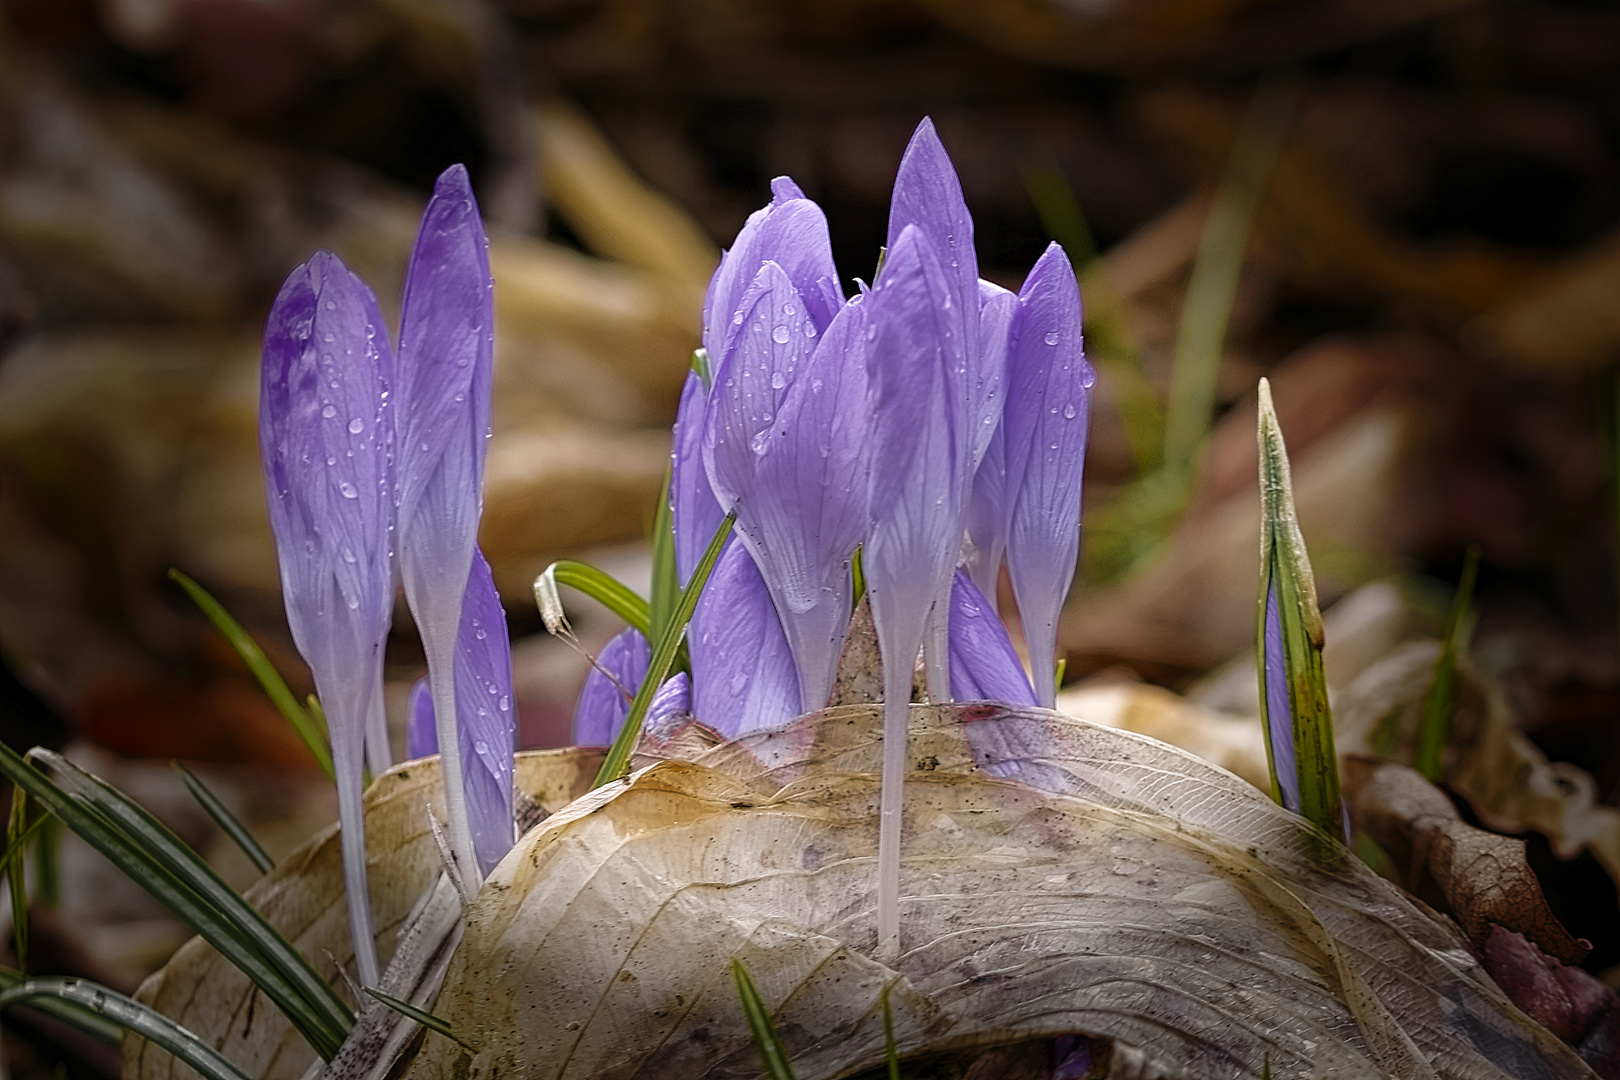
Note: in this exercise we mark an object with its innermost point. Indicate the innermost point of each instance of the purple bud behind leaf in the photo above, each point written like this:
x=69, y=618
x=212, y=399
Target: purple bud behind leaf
x=421, y=739
x=325, y=433
x=1279, y=711
x=984, y=664
x=693, y=507
x=671, y=705
x=1048, y=412
x=743, y=676
x=604, y=700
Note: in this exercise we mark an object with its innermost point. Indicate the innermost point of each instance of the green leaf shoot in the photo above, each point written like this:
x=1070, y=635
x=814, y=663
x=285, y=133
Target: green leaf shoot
x=771, y=1051
x=224, y=819
x=1440, y=699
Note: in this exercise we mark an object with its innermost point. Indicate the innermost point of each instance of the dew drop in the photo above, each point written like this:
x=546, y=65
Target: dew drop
x=327, y=338
x=331, y=305
x=780, y=335
x=1051, y=337
x=815, y=385
x=1068, y=411
x=809, y=329
x=331, y=461
x=871, y=332
x=481, y=747
x=505, y=704
x=348, y=555
x=348, y=490
x=354, y=602
x=737, y=317
x=356, y=426
x=480, y=633
x=778, y=380
x=329, y=412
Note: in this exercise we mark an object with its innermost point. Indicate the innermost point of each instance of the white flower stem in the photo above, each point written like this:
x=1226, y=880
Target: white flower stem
x=352, y=840
x=441, y=657
x=378, y=755
x=896, y=708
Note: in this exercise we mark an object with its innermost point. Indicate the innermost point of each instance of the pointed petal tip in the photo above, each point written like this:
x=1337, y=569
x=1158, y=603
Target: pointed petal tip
x=783, y=188
x=453, y=182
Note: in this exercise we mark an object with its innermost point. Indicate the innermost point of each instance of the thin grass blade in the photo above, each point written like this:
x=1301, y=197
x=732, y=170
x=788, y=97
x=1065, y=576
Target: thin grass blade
x=617, y=762
x=891, y=1049
x=225, y=819
x=1216, y=268
x=17, y=834
x=771, y=1051
x=275, y=687
x=666, y=584
x=1288, y=647
x=131, y=1016
x=1439, y=701
x=239, y=933
x=420, y=1016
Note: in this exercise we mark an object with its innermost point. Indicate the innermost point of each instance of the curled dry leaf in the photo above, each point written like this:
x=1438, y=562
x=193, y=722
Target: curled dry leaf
x=1483, y=876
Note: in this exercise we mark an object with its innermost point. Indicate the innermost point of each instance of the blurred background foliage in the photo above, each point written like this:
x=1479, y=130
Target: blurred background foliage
x=1429, y=276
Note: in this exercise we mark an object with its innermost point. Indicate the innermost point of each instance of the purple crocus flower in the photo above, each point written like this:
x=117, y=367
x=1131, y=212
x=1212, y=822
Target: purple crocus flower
x=988, y=497
x=445, y=356
x=1047, y=415
x=325, y=436
x=984, y=664
x=785, y=447
x=604, y=700
x=695, y=511
x=485, y=719
x=671, y=704
x=743, y=676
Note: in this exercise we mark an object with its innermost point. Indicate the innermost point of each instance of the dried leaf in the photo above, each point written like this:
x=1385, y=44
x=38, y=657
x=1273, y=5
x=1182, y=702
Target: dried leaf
x=1484, y=876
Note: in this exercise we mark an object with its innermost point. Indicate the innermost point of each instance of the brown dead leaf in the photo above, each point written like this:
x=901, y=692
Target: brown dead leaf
x=1483, y=876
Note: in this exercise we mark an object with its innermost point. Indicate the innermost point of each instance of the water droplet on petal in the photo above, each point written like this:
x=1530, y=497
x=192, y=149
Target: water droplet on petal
x=348, y=490
x=348, y=555
x=1068, y=411
x=354, y=602
x=505, y=704
x=480, y=633
x=356, y=426
x=778, y=380
x=1051, y=337
x=329, y=411
x=780, y=335
x=737, y=317
x=327, y=338
x=481, y=747
x=809, y=329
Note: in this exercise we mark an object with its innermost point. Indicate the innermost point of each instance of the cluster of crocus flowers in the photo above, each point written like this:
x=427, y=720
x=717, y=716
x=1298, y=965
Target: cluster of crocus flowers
x=934, y=421
x=373, y=462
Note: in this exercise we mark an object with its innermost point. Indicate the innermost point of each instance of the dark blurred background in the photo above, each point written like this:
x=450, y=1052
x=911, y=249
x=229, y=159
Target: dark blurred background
x=1431, y=281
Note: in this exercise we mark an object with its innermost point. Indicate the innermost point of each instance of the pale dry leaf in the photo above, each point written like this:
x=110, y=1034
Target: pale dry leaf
x=1059, y=878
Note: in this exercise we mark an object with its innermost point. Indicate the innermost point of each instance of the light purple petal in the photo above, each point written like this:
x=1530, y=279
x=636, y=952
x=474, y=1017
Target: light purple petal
x=485, y=717
x=928, y=195
x=421, y=740
x=692, y=503
x=670, y=706
x=984, y=665
x=786, y=448
x=743, y=677
x=792, y=232
x=918, y=454
x=1047, y=416
x=445, y=354
x=604, y=700
x=1279, y=710
x=324, y=430
x=988, y=509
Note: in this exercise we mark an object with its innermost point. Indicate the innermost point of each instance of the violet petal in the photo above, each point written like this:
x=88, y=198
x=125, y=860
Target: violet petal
x=671, y=704
x=604, y=700
x=984, y=664
x=485, y=717
x=421, y=739
x=743, y=676
x=1279, y=710
x=695, y=511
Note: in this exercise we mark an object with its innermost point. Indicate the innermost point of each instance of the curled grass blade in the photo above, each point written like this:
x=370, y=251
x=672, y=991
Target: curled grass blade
x=74, y=1015
x=127, y=1014
x=617, y=762
x=771, y=1052
x=1440, y=699
x=275, y=687
x=225, y=819
x=605, y=589
x=194, y=894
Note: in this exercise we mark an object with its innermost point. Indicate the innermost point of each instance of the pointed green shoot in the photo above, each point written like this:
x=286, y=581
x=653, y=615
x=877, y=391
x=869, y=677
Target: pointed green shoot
x=1288, y=647
x=666, y=583
x=127, y=1014
x=772, y=1054
x=275, y=687
x=420, y=1016
x=665, y=648
x=224, y=819
x=891, y=1048
x=1440, y=700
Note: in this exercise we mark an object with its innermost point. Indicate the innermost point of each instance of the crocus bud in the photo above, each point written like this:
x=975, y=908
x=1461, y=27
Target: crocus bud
x=445, y=356
x=421, y=737
x=1048, y=411
x=695, y=511
x=743, y=677
x=604, y=700
x=984, y=664
x=325, y=436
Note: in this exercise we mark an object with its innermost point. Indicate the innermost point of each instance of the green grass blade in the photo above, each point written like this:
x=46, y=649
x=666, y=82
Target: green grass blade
x=617, y=762
x=1286, y=568
x=225, y=819
x=93, y=1024
x=238, y=932
x=1216, y=267
x=420, y=1016
x=666, y=583
x=47, y=868
x=766, y=1041
x=275, y=687
x=891, y=1049
x=131, y=1016
x=1440, y=700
